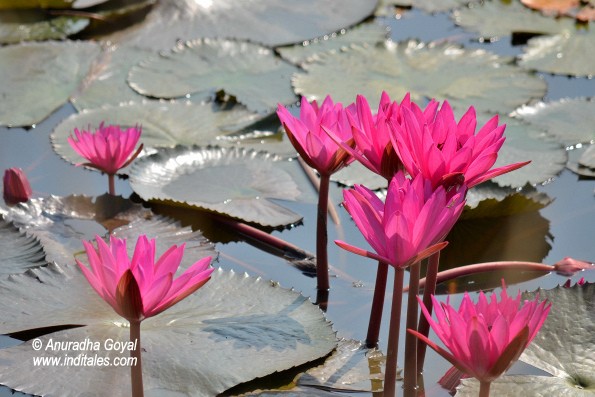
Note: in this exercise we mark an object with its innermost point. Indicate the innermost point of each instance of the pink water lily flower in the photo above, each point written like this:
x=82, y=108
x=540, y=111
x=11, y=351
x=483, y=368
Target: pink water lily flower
x=17, y=188
x=109, y=148
x=310, y=140
x=434, y=144
x=483, y=339
x=371, y=133
x=409, y=225
x=141, y=287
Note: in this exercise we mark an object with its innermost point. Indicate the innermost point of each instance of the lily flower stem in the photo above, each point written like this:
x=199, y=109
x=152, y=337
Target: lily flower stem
x=484, y=389
x=390, y=377
x=378, y=304
x=112, y=184
x=316, y=183
x=410, y=376
x=321, y=235
x=136, y=370
x=429, y=290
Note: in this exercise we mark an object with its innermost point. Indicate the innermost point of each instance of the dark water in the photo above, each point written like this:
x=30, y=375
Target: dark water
x=571, y=216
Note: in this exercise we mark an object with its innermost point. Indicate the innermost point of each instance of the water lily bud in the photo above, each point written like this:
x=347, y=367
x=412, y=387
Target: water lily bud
x=17, y=188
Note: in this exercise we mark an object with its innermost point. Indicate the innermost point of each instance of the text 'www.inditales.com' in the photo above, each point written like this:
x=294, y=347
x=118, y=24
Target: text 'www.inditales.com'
x=84, y=353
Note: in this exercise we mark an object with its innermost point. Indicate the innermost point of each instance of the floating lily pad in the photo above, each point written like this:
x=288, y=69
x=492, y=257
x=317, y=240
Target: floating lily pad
x=271, y=22
x=106, y=82
x=38, y=78
x=368, y=33
x=465, y=77
x=202, y=346
x=523, y=143
x=33, y=25
x=232, y=181
x=491, y=200
x=18, y=252
x=60, y=223
x=564, y=347
x=164, y=124
x=582, y=160
x=249, y=72
x=568, y=120
x=569, y=52
x=496, y=18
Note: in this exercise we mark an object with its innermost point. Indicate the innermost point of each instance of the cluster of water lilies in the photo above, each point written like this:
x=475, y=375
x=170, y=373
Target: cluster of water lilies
x=429, y=160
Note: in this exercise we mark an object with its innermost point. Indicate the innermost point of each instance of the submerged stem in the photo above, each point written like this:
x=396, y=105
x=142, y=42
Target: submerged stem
x=429, y=290
x=390, y=377
x=378, y=304
x=410, y=376
x=321, y=235
x=136, y=369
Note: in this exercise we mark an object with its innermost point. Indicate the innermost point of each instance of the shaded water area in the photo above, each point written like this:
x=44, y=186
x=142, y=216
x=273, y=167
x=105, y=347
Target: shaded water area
x=565, y=227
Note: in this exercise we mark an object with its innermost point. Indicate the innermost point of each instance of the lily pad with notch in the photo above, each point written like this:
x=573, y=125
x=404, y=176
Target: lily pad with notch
x=465, y=77
x=18, y=251
x=38, y=78
x=233, y=181
x=251, y=73
x=164, y=124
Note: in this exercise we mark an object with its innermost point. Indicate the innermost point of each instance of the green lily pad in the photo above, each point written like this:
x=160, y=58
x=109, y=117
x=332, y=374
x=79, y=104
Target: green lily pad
x=464, y=77
x=60, y=223
x=38, y=78
x=366, y=33
x=249, y=72
x=270, y=22
x=497, y=18
x=34, y=25
x=164, y=124
x=569, y=120
x=202, y=346
x=582, y=160
x=18, y=252
x=564, y=347
x=232, y=181
x=569, y=52
x=523, y=143
x=106, y=85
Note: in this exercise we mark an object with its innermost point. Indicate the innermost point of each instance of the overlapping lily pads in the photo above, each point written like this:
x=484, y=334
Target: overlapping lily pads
x=202, y=346
x=60, y=223
x=164, y=124
x=233, y=181
x=249, y=72
x=271, y=22
x=38, y=78
x=564, y=348
x=106, y=85
x=18, y=252
x=465, y=77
